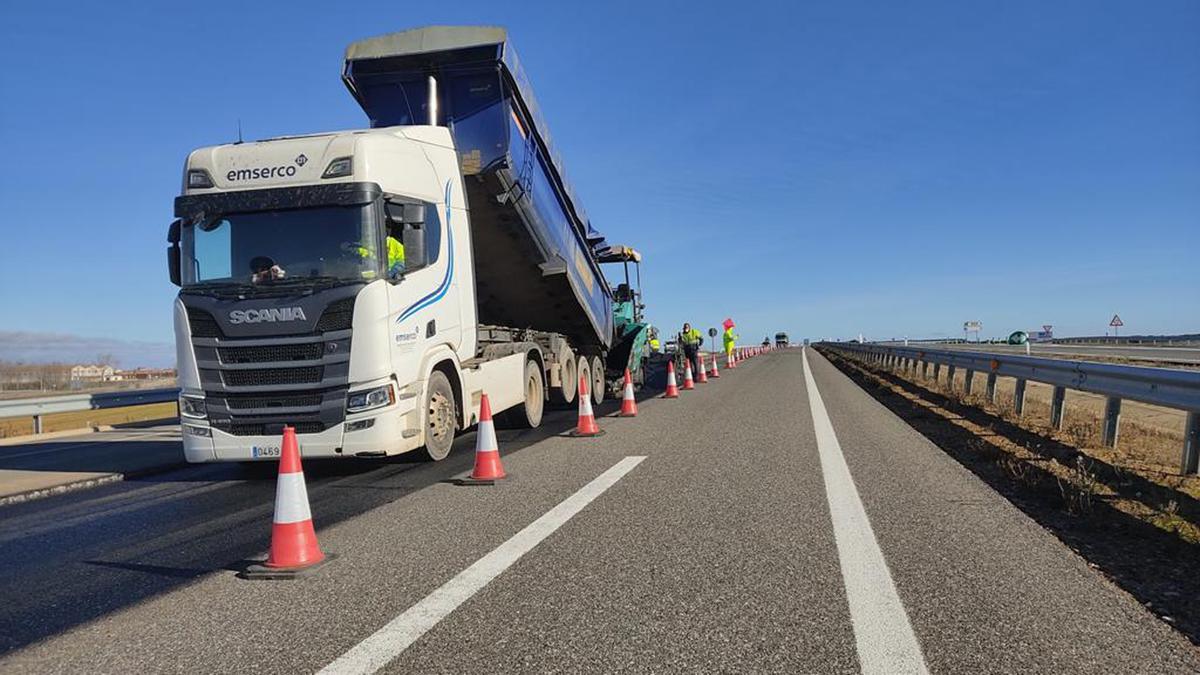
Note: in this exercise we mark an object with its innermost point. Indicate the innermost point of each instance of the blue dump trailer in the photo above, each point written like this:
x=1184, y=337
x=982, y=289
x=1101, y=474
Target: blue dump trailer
x=537, y=256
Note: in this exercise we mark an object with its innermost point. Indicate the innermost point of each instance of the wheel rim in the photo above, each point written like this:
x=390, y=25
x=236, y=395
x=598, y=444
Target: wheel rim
x=441, y=417
x=533, y=397
x=598, y=383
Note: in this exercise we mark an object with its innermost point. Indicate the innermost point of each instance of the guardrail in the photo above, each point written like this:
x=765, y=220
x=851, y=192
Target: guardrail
x=1179, y=389
x=36, y=407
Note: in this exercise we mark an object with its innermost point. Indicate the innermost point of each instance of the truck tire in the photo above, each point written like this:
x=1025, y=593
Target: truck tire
x=599, y=383
x=527, y=415
x=565, y=395
x=441, y=417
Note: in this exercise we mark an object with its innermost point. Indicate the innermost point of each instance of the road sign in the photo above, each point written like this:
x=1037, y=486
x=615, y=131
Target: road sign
x=972, y=327
x=712, y=332
x=1116, y=322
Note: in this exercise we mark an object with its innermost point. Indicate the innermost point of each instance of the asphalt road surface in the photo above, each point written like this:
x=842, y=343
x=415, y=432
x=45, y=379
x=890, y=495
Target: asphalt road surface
x=775, y=520
x=1163, y=355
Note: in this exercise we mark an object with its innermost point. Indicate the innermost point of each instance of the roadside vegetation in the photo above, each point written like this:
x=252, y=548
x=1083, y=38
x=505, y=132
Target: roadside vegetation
x=86, y=419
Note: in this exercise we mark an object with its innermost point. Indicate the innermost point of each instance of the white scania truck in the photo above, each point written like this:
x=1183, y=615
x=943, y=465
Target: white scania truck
x=297, y=307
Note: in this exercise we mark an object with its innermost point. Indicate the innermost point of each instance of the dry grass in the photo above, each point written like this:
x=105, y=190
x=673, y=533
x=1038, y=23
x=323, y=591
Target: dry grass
x=23, y=426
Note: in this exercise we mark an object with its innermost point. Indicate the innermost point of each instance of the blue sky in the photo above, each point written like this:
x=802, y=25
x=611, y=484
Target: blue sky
x=822, y=168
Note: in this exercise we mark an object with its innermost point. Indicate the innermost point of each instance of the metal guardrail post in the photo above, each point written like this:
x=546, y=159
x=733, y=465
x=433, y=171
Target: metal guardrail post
x=925, y=370
x=1057, y=402
x=1112, y=421
x=967, y=382
x=950, y=377
x=1190, y=463
x=991, y=388
x=937, y=371
x=37, y=424
x=1019, y=398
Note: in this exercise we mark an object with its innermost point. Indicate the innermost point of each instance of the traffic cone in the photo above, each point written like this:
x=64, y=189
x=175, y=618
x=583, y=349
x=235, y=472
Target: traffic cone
x=628, y=402
x=731, y=360
x=294, y=547
x=587, y=419
x=688, y=382
x=672, y=388
x=703, y=376
x=715, y=372
x=488, y=468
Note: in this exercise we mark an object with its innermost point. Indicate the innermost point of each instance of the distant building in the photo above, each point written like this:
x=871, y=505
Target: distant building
x=93, y=373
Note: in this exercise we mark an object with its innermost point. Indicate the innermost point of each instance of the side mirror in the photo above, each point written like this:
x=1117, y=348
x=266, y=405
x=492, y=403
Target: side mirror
x=173, y=252
x=414, y=248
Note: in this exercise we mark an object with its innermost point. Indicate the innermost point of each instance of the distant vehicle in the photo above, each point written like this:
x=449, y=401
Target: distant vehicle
x=766, y=342
x=781, y=339
x=1018, y=337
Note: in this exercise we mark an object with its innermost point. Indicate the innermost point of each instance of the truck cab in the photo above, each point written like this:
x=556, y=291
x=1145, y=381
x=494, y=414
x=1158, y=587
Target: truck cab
x=290, y=311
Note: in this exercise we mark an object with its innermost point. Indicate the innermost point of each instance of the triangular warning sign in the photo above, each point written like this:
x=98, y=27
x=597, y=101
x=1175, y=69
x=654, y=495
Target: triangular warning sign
x=1116, y=321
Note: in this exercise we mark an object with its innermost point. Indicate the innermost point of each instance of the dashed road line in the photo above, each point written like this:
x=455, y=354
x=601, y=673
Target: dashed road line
x=883, y=636
x=390, y=641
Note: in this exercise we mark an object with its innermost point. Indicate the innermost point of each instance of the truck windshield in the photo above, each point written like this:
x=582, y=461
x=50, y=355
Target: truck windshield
x=335, y=243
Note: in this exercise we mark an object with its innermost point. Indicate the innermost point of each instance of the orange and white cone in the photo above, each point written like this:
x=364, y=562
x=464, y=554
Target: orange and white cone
x=688, y=382
x=628, y=402
x=488, y=468
x=294, y=546
x=587, y=419
x=701, y=361
x=715, y=372
x=672, y=387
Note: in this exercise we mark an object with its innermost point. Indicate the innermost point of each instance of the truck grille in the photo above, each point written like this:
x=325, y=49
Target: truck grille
x=264, y=429
x=273, y=376
x=257, y=384
x=283, y=401
x=302, y=352
x=338, y=315
x=203, y=324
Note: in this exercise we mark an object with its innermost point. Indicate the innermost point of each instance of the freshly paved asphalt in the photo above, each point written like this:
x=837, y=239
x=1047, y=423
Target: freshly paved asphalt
x=716, y=553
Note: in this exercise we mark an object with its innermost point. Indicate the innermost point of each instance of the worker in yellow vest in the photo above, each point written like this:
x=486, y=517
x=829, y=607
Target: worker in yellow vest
x=691, y=340
x=395, y=255
x=729, y=339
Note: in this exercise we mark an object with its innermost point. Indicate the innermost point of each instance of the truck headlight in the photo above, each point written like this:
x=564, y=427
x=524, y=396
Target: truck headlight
x=370, y=399
x=192, y=407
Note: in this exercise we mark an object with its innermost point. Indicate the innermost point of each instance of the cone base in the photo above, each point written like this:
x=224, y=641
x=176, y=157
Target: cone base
x=260, y=571
x=627, y=414
x=475, y=481
x=671, y=394
x=576, y=433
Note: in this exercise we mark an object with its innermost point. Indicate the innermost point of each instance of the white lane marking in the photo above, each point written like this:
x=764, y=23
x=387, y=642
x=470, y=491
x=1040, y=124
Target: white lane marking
x=882, y=634
x=388, y=642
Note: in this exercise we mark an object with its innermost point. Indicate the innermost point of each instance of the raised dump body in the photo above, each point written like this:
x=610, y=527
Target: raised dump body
x=534, y=249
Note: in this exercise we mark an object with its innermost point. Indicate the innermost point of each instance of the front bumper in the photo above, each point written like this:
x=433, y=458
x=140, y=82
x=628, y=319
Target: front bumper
x=386, y=436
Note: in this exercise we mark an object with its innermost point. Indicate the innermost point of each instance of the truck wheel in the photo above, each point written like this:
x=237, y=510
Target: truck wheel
x=599, y=383
x=565, y=395
x=528, y=415
x=441, y=421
